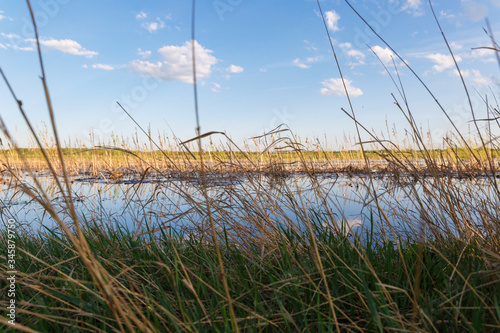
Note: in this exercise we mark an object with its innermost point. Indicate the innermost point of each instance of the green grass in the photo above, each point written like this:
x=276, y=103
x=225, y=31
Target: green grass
x=175, y=283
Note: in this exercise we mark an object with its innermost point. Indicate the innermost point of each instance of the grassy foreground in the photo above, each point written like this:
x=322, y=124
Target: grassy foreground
x=174, y=284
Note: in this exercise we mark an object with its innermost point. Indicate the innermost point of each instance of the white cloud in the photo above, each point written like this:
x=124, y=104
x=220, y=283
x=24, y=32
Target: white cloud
x=479, y=79
x=23, y=48
x=475, y=76
x=336, y=88
x=412, y=4
x=3, y=17
x=465, y=73
x=216, y=87
x=443, y=61
x=313, y=59
x=356, y=57
x=308, y=60
x=297, y=63
x=480, y=53
x=332, y=20
x=235, y=69
x=141, y=16
x=154, y=26
x=384, y=53
x=3, y=46
x=144, y=54
x=103, y=66
x=263, y=70
x=456, y=46
x=446, y=15
x=66, y=46
x=10, y=36
x=311, y=47
x=177, y=63
x=489, y=60
x=414, y=7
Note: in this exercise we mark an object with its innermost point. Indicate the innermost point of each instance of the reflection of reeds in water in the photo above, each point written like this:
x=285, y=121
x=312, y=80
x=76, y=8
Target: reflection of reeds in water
x=277, y=273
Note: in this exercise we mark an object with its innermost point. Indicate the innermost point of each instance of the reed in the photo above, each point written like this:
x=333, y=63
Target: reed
x=252, y=239
x=274, y=287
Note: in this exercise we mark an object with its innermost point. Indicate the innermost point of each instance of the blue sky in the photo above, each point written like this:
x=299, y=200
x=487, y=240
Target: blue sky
x=260, y=64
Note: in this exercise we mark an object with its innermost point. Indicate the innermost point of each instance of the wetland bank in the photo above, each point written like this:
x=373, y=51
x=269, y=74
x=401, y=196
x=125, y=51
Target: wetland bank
x=388, y=240
x=281, y=235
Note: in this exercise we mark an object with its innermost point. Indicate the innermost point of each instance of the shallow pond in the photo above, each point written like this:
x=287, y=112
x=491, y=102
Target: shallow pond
x=348, y=203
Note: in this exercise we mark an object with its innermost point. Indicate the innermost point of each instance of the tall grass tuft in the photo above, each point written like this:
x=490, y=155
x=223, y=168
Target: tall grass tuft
x=253, y=240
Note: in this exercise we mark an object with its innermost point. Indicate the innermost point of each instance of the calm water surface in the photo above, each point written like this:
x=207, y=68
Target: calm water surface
x=335, y=199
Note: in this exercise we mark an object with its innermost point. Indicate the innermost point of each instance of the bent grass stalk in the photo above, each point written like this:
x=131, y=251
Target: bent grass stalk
x=269, y=260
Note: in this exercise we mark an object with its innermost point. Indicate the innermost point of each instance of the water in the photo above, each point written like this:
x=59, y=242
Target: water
x=257, y=203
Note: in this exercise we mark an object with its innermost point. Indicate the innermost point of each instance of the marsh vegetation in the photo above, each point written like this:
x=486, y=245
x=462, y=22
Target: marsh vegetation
x=255, y=239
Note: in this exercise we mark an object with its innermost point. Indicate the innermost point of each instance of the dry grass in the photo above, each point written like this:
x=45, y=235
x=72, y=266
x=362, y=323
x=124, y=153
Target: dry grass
x=259, y=256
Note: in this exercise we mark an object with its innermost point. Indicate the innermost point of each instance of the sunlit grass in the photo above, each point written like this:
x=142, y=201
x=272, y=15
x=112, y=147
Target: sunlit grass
x=174, y=280
x=258, y=257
